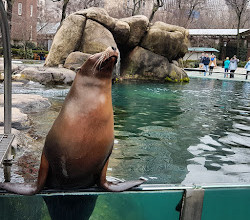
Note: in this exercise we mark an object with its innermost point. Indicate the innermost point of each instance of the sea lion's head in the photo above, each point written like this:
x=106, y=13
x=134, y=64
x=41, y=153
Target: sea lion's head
x=101, y=64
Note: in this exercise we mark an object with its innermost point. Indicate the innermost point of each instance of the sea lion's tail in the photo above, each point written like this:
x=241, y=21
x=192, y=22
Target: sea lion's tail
x=25, y=189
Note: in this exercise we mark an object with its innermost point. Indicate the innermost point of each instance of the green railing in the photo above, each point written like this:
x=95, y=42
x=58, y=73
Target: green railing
x=149, y=202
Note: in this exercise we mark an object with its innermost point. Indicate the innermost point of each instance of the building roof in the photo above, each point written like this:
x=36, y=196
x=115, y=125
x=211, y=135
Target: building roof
x=221, y=32
x=202, y=49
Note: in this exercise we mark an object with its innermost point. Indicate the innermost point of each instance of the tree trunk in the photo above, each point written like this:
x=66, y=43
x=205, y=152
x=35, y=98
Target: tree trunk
x=65, y=3
x=238, y=36
x=9, y=12
x=155, y=9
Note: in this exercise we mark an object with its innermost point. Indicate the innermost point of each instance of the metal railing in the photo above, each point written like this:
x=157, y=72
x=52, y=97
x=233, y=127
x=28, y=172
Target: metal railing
x=7, y=68
x=7, y=139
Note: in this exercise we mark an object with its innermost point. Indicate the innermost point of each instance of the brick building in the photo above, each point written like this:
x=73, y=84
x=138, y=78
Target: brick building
x=24, y=21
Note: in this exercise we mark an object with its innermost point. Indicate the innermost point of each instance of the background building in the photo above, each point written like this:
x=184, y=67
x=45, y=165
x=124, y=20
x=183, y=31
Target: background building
x=24, y=21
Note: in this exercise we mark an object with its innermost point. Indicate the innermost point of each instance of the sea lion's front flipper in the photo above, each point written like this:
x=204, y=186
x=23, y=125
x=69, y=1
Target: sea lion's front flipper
x=25, y=189
x=117, y=186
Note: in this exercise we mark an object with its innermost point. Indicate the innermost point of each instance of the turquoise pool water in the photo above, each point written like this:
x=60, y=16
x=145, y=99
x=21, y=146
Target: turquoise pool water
x=197, y=132
x=183, y=133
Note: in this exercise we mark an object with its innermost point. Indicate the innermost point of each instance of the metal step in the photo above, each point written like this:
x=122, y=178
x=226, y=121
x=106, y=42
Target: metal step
x=5, y=144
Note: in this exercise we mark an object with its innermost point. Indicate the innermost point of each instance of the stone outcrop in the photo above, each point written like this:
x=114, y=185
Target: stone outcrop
x=28, y=103
x=138, y=27
x=22, y=104
x=75, y=60
x=19, y=120
x=121, y=32
x=166, y=40
x=66, y=40
x=146, y=63
x=96, y=38
x=146, y=49
x=176, y=74
x=51, y=75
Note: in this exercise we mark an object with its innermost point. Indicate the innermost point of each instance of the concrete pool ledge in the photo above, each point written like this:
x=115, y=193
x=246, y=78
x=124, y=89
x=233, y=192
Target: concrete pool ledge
x=218, y=73
x=142, y=188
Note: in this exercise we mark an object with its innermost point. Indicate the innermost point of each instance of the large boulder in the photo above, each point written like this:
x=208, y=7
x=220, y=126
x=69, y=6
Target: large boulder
x=19, y=120
x=121, y=32
x=66, y=40
x=14, y=67
x=28, y=103
x=145, y=63
x=138, y=26
x=167, y=40
x=99, y=15
x=49, y=75
x=96, y=38
x=176, y=74
x=75, y=60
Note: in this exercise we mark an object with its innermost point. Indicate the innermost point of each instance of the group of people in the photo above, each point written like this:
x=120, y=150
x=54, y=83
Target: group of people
x=208, y=63
x=231, y=65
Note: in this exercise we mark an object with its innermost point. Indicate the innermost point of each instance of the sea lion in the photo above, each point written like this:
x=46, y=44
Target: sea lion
x=77, y=148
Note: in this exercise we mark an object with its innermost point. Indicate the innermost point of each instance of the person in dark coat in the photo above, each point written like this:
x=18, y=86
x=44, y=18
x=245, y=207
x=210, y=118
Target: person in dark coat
x=206, y=61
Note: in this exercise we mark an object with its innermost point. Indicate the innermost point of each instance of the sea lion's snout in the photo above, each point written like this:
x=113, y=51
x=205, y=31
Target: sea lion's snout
x=101, y=64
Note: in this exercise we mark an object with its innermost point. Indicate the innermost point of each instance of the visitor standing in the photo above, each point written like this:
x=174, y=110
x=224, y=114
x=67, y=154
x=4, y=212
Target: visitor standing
x=226, y=67
x=247, y=67
x=233, y=65
x=212, y=64
x=206, y=61
x=201, y=59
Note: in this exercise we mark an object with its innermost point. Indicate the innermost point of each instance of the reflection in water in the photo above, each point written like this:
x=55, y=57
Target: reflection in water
x=170, y=133
x=70, y=206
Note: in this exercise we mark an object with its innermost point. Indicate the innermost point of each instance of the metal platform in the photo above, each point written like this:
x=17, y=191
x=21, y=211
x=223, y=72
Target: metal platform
x=5, y=144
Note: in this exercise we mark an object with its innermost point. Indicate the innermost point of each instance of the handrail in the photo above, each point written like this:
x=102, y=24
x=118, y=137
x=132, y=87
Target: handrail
x=7, y=68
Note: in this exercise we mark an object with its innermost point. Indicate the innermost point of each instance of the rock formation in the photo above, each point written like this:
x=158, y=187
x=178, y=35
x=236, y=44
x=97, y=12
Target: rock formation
x=147, y=50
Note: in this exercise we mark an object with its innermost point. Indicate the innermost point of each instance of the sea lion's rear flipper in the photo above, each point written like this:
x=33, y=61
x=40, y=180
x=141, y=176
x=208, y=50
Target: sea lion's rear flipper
x=117, y=186
x=25, y=189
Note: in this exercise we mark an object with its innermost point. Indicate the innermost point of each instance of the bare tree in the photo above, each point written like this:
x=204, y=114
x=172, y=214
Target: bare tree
x=72, y=6
x=181, y=12
x=65, y=3
x=46, y=15
x=239, y=7
x=78, y=5
x=158, y=4
x=188, y=10
x=134, y=6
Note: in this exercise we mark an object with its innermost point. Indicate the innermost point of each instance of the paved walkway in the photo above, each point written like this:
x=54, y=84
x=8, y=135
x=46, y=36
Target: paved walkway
x=218, y=73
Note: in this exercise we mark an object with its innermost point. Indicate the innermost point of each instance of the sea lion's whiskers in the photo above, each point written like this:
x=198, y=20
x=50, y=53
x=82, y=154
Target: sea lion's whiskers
x=99, y=62
x=96, y=63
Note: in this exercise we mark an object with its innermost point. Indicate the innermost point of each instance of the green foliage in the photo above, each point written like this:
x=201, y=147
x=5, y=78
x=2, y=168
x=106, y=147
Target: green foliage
x=30, y=45
x=40, y=51
x=242, y=63
x=243, y=53
x=24, y=54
